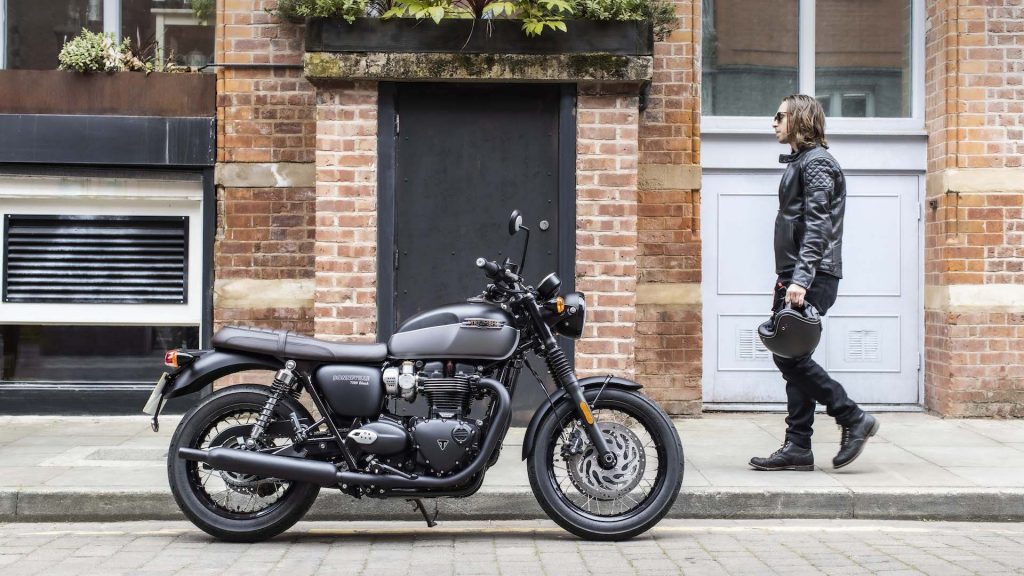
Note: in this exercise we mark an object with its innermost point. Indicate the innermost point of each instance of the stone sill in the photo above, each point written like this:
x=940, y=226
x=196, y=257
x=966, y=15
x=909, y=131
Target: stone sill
x=325, y=68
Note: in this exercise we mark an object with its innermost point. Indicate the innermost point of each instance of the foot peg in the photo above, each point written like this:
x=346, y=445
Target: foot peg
x=417, y=504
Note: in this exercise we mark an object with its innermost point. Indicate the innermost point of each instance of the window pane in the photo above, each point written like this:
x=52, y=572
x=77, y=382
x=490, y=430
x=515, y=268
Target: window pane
x=862, y=60
x=168, y=29
x=82, y=354
x=36, y=29
x=749, y=56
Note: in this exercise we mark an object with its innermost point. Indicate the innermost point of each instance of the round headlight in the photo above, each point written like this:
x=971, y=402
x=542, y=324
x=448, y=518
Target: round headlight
x=575, y=316
x=549, y=286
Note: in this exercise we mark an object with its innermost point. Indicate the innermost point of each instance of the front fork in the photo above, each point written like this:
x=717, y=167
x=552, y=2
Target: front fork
x=560, y=368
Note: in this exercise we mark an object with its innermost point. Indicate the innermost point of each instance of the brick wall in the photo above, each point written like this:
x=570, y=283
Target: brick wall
x=974, y=229
x=265, y=217
x=346, y=212
x=669, y=341
x=606, y=237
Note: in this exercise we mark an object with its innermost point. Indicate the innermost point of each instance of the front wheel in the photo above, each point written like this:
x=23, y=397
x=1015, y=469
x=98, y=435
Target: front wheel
x=616, y=504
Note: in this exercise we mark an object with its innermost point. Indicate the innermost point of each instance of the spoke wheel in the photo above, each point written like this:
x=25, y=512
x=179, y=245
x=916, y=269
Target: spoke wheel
x=229, y=505
x=612, y=504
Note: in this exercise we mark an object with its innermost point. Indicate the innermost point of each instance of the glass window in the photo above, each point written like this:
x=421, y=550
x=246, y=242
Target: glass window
x=169, y=29
x=862, y=57
x=750, y=56
x=36, y=29
x=83, y=354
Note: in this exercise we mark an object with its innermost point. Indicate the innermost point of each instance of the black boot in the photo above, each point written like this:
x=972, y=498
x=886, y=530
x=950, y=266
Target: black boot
x=854, y=437
x=789, y=457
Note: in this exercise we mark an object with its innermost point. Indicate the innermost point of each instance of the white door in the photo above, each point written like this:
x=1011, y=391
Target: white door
x=872, y=336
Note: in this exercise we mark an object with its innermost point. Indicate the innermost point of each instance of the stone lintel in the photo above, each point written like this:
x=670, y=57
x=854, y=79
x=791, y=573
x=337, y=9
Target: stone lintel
x=974, y=297
x=976, y=181
x=683, y=294
x=258, y=294
x=669, y=177
x=266, y=175
x=324, y=67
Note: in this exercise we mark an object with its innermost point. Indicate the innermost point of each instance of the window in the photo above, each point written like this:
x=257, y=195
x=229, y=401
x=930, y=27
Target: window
x=33, y=31
x=857, y=58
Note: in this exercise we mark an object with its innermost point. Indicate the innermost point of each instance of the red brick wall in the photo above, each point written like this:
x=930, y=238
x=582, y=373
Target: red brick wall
x=264, y=116
x=974, y=229
x=669, y=341
x=346, y=212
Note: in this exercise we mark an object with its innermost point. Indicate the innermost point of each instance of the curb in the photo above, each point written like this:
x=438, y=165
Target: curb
x=978, y=504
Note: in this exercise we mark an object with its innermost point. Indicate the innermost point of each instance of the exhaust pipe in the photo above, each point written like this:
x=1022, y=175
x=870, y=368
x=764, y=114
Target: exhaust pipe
x=327, y=474
x=242, y=461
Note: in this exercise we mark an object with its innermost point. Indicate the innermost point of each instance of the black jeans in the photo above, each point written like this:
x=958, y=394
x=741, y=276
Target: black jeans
x=806, y=381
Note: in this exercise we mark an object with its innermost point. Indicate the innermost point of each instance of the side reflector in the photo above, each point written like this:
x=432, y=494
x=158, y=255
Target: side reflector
x=586, y=412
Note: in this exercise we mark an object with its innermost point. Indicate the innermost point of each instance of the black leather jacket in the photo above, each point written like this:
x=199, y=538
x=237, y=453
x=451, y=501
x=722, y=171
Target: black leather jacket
x=809, y=225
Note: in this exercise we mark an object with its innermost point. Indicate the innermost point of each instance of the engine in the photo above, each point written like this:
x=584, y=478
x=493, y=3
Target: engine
x=439, y=444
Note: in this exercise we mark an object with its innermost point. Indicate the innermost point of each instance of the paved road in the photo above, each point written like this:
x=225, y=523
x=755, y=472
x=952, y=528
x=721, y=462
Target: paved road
x=790, y=548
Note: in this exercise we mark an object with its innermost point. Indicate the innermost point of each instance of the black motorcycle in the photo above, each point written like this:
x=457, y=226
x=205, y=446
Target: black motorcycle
x=246, y=463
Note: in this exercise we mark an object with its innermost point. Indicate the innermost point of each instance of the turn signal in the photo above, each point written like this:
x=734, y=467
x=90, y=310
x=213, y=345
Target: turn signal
x=171, y=358
x=560, y=304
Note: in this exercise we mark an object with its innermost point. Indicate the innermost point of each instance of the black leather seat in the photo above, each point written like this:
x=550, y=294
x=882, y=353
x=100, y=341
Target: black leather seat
x=291, y=346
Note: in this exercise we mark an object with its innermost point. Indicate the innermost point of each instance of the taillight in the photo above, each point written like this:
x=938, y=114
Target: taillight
x=178, y=358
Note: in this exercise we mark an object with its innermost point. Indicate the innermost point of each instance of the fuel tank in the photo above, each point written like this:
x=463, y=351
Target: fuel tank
x=470, y=330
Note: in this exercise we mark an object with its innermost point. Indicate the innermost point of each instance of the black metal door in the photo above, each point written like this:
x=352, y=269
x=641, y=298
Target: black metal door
x=464, y=157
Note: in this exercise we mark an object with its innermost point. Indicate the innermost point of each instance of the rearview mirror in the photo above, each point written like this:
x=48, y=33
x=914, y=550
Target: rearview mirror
x=515, y=221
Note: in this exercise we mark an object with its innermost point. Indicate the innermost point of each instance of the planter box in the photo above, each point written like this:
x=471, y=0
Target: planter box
x=99, y=94
x=465, y=36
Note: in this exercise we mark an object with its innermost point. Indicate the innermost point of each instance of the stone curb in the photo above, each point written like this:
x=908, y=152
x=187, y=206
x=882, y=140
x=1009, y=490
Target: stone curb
x=969, y=504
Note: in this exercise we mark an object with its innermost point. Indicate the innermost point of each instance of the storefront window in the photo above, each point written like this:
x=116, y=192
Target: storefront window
x=862, y=57
x=89, y=354
x=36, y=29
x=167, y=30
x=750, y=56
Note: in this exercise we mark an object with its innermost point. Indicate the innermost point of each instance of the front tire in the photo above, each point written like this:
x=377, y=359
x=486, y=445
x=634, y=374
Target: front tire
x=229, y=506
x=616, y=504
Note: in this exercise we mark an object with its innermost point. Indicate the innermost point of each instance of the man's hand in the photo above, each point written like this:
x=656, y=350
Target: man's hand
x=795, y=294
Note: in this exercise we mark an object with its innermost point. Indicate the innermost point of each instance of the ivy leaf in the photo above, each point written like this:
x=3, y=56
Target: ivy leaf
x=436, y=13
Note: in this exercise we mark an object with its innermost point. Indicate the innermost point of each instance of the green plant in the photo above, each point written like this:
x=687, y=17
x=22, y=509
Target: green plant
x=203, y=10
x=299, y=9
x=535, y=14
x=661, y=13
x=95, y=52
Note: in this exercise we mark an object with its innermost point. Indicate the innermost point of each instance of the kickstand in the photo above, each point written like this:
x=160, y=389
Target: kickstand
x=417, y=504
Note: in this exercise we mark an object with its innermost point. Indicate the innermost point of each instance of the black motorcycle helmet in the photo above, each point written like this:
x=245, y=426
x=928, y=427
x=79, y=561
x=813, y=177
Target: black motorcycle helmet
x=792, y=333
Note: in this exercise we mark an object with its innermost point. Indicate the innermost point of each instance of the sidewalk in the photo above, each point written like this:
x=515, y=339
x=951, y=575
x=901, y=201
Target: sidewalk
x=918, y=467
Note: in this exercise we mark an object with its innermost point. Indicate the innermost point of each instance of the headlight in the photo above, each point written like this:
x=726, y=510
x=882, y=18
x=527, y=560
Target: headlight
x=574, y=317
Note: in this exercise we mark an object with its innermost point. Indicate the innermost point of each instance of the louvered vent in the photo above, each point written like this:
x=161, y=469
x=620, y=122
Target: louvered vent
x=749, y=345
x=95, y=259
x=862, y=346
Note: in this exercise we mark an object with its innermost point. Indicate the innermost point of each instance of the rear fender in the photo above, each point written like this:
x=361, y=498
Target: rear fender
x=592, y=383
x=213, y=365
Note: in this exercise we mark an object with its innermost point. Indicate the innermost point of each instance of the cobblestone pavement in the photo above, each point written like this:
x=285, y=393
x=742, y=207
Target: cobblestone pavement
x=787, y=547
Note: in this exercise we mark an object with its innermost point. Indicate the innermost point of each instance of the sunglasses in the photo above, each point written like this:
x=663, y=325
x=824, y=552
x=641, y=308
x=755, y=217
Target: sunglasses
x=780, y=115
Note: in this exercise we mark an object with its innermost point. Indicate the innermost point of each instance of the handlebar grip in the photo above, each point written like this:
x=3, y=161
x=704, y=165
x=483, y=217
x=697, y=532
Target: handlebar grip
x=489, y=268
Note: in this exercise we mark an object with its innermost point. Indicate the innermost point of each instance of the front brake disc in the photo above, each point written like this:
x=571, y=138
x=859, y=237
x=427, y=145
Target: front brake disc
x=596, y=482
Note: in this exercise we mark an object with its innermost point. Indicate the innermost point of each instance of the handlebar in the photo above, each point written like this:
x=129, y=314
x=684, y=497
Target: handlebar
x=496, y=272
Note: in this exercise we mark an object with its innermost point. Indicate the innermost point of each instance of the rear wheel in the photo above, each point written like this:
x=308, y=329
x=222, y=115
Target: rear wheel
x=615, y=504
x=228, y=505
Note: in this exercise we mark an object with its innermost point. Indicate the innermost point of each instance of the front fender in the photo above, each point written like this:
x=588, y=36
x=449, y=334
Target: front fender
x=563, y=396
x=213, y=365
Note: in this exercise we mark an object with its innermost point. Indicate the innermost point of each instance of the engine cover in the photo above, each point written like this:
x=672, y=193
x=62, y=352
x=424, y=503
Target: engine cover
x=443, y=443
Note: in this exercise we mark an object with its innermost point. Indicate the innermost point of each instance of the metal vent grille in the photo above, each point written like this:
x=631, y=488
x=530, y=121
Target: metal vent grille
x=749, y=345
x=95, y=259
x=862, y=346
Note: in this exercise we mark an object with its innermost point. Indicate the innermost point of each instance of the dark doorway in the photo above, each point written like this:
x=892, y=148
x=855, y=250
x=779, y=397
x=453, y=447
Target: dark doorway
x=455, y=160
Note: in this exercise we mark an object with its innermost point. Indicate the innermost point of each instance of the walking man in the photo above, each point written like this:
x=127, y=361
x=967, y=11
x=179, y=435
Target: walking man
x=808, y=261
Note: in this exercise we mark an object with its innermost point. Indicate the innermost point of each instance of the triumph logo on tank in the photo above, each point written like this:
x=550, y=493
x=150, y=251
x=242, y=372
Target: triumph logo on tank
x=442, y=444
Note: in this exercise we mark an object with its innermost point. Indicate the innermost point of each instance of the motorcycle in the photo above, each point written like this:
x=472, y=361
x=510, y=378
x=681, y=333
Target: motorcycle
x=247, y=462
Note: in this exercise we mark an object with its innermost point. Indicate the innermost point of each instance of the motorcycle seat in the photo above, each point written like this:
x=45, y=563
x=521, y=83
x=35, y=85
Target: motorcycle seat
x=292, y=346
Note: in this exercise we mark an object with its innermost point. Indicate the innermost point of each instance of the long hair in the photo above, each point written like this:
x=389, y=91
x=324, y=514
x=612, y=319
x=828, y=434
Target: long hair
x=806, y=121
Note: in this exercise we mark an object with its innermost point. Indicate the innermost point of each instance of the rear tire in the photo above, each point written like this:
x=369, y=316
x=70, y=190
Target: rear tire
x=608, y=505
x=213, y=420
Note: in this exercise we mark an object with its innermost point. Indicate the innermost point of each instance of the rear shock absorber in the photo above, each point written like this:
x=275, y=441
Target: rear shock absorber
x=282, y=385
